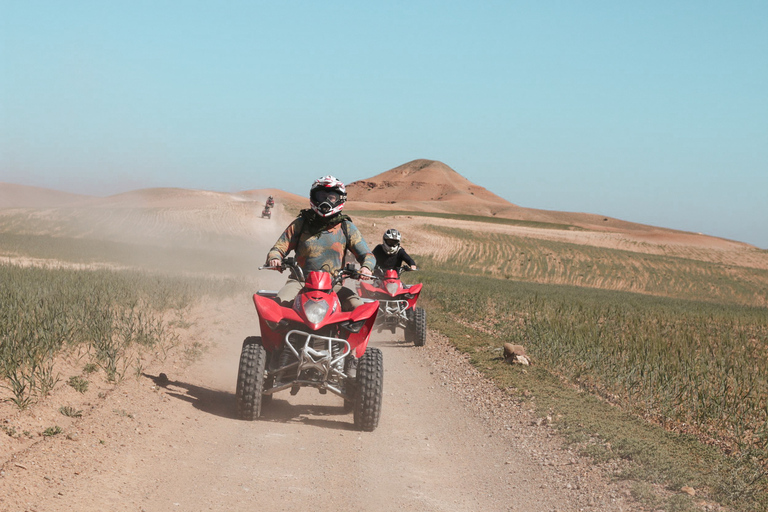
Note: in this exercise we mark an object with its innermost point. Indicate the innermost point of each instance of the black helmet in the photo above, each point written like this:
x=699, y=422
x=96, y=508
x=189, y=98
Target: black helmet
x=391, y=241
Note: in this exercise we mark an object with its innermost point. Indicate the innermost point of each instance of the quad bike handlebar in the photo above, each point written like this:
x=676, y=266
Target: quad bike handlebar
x=379, y=272
x=297, y=272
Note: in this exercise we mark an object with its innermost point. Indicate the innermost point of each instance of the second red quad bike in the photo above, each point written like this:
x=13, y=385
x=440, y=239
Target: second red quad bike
x=312, y=343
x=397, y=305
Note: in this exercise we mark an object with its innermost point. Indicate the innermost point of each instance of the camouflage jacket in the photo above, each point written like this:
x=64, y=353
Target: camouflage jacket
x=321, y=246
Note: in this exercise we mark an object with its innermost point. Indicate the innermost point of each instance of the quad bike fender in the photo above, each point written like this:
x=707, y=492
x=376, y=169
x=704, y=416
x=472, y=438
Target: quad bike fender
x=271, y=311
x=358, y=341
x=414, y=290
x=367, y=289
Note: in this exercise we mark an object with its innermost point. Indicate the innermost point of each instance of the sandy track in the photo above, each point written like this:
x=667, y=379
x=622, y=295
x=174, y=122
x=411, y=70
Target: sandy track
x=439, y=446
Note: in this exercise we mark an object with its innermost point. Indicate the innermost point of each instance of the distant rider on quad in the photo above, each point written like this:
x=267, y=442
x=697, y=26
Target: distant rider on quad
x=320, y=237
x=390, y=255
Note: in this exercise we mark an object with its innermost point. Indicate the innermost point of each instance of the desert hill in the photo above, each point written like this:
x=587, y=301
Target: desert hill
x=431, y=186
x=25, y=196
x=425, y=181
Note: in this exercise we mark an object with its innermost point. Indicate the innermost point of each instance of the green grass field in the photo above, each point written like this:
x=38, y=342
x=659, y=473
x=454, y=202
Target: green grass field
x=544, y=261
x=689, y=370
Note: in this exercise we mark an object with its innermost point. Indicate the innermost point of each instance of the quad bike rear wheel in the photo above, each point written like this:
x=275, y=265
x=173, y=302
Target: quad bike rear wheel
x=250, y=378
x=369, y=392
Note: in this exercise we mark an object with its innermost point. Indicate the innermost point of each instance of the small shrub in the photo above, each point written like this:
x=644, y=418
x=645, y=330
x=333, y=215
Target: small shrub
x=52, y=431
x=70, y=412
x=194, y=352
x=78, y=383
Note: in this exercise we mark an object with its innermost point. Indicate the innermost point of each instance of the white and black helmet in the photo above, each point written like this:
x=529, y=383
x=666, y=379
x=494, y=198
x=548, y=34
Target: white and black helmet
x=391, y=241
x=327, y=196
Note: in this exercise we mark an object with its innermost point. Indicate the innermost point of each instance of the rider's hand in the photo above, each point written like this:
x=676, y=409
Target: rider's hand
x=365, y=273
x=413, y=267
x=274, y=262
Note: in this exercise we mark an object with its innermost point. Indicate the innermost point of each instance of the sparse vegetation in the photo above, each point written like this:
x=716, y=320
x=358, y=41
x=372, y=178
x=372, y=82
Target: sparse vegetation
x=475, y=218
x=697, y=370
x=113, y=315
x=123, y=414
x=544, y=261
x=194, y=352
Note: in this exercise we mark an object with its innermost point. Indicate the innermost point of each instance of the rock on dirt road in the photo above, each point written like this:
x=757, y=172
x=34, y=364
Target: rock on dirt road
x=447, y=441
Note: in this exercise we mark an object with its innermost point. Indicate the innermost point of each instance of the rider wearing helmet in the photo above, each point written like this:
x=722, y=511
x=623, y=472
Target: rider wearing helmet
x=389, y=255
x=320, y=237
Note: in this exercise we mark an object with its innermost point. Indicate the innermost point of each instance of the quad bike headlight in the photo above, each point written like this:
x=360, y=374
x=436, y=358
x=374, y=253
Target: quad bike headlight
x=392, y=288
x=409, y=295
x=315, y=311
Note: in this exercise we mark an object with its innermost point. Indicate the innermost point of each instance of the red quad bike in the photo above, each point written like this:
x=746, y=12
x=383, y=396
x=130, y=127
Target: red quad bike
x=312, y=343
x=266, y=212
x=397, y=305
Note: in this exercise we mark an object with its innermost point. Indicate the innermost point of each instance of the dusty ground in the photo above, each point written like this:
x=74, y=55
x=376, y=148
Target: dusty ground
x=447, y=441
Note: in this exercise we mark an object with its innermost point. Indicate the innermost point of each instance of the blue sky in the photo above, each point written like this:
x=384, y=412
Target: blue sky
x=653, y=112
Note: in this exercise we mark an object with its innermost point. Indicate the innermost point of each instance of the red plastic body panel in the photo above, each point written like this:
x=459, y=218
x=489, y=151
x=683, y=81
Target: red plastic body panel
x=391, y=274
x=270, y=311
x=319, y=281
x=371, y=290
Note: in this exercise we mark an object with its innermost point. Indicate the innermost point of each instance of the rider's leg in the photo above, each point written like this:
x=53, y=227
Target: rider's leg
x=289, y=292
x=349, y=299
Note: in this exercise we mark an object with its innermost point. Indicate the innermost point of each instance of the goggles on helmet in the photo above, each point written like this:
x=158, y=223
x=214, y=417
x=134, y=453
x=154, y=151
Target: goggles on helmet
x=391, y=243
x=326, y=196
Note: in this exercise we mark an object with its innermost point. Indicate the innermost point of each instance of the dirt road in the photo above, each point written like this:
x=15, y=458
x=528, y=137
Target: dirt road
x=447, y=441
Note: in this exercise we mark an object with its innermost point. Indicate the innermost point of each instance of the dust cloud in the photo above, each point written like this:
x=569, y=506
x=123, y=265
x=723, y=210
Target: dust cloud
x=166, y=230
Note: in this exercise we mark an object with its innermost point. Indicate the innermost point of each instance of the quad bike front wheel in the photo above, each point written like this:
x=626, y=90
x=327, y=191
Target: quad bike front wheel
x=417, y=329
x=369, y=392
x=420, y=319
x=250, y=378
